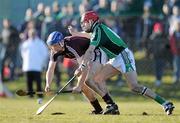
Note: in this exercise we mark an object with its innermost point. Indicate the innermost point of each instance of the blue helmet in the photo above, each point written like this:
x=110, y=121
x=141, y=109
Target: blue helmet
x=54, y=38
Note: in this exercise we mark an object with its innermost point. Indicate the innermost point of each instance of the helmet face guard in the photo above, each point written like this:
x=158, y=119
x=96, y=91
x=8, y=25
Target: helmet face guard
x=55, y=38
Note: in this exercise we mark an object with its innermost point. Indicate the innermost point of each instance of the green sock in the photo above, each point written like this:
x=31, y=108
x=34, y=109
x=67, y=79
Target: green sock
x=159, y=99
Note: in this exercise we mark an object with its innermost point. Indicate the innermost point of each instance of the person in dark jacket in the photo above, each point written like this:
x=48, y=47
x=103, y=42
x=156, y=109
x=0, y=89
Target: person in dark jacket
x=158, y=47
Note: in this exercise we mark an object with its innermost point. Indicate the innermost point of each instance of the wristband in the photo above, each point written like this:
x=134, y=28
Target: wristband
x=82, y=66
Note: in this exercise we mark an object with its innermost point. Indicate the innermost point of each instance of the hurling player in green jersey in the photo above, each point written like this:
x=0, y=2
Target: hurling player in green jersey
x=121, y=60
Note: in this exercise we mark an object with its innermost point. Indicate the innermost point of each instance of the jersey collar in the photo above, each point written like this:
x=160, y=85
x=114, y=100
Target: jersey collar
x=94, y=26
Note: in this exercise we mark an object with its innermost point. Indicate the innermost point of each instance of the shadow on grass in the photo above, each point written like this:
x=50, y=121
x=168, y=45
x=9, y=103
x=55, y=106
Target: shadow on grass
x=57, y=113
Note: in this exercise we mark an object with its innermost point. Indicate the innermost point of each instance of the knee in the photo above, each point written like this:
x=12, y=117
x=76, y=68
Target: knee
x=139, y=89
x=135, y=88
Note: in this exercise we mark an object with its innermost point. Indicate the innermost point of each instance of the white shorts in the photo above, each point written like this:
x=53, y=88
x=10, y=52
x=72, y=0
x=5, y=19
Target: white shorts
x=98, y=56
x=124, y=62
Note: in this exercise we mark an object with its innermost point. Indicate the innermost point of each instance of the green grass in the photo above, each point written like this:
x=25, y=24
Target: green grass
x=73, y=108
x=76, y=111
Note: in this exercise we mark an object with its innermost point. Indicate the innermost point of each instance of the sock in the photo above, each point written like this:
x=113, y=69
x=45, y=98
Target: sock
x=160, y=100
x=96, y=105
x=108, y=99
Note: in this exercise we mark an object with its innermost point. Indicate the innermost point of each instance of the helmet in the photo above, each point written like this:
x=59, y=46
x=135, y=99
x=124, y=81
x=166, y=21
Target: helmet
x=89, y=15
x=54, y=38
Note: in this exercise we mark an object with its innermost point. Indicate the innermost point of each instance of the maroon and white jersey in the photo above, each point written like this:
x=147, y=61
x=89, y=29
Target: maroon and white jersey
x=75, y=47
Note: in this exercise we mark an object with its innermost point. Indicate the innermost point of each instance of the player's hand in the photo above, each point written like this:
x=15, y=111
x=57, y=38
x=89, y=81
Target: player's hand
x=76, y=89
x=47, y=88
x=72, y=31
x=78, y=72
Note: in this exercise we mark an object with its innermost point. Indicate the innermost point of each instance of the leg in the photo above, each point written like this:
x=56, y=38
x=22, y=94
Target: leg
x=37, y=76
x=176, y=63
x=159, y=65
x=131, y=78
x=29, y=80
x=178, y=68
x=97, y=76
x=92, y=99
x=100, y=89
x=100, y=77
x=125, y=64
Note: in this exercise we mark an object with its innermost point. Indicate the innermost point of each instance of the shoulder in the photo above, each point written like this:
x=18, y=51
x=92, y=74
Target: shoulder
x=75, y=40
x=69, y=38
x=96, y=33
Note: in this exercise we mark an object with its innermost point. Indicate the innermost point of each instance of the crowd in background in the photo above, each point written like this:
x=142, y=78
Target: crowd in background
x=157, y=32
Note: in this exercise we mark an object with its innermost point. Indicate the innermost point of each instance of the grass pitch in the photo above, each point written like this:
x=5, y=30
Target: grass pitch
x=75, y=109
x=69, y=108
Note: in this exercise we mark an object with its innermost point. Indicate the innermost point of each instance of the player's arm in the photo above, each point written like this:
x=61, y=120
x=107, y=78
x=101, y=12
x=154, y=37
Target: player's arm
x=50, y=75
x=86, y=60
x=88, y=55
x=76, y=33
x=95, y=40
x=80, y=83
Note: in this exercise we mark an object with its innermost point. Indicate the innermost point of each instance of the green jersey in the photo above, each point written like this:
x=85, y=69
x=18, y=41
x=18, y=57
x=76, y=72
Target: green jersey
x=107, y=40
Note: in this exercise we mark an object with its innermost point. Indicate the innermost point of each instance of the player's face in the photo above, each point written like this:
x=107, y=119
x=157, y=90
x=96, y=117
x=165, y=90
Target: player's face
x=59, y=47
x=86, y=26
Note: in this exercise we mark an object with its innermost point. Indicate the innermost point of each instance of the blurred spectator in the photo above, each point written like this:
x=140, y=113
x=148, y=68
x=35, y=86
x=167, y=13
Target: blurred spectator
x=166, y=19
x=115, y=24
x=172, y=3
x=47, y=24
x=147, y=27
x=175, y=48
x=4, y=92
x=114, y=8
x=148, y=3
x=57, y=15
x=72, y=17
x=10, y=39
x=166, y=24
x=71, y=10
x=158, y=47
x=39, y=17
x=103, y=7
x=34, y=54
x=88, y=4
x=174, y=17
x=138, y=33
x=24, y=34
x=28, y=17
x=82, y=9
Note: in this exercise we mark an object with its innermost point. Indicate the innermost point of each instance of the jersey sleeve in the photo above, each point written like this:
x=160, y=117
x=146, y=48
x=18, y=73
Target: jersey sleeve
x=95, y=38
